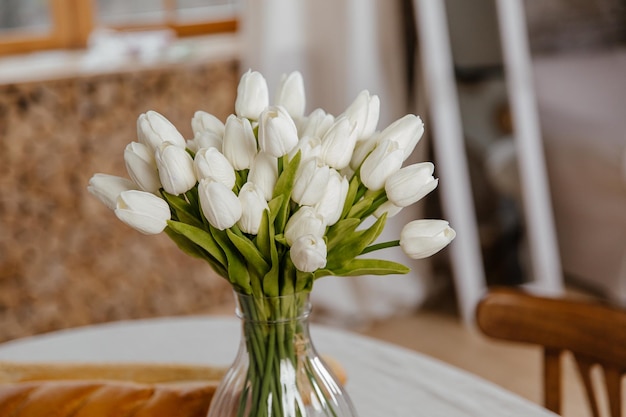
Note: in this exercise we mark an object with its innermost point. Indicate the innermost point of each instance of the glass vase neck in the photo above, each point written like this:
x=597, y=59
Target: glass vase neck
x=262, y=309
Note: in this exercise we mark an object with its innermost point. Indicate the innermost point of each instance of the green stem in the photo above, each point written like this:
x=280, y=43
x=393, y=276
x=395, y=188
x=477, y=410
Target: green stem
x=379, y=246
x=276, y=338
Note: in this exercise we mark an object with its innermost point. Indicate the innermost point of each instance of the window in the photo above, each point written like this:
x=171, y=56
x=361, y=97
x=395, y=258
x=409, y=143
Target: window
x=30, y=25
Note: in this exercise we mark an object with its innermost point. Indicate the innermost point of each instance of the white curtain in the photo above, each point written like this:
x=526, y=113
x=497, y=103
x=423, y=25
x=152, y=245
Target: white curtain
x=342, y=47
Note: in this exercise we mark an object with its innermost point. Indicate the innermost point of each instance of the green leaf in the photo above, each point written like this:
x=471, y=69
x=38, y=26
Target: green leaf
x=263, y=238
x=184, y=211
x=304, y=281
x=275, y=204
x=339, y=231
x=185, y=244
x=251, y=253
x=282, y=240
x=284, y=183
x=360, y=208
x=358, y=267
x=201, y=238
x=378, y=197
x=271, y=280
x=353, y=244
x=238, y=273
x=241, y=177
x=284, y=186
x=190, y=248
x=350, y=197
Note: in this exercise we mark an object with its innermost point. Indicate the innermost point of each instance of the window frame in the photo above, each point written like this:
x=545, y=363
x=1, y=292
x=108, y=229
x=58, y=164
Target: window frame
x=66, y=34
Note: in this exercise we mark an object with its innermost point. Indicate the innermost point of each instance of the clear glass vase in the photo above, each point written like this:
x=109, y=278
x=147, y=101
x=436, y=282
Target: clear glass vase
x=277, y=371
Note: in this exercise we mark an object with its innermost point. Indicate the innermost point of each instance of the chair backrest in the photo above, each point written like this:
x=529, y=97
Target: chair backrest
x=594, y=333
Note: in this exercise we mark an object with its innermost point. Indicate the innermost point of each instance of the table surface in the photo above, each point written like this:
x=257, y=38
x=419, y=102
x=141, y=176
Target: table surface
x=383, y=379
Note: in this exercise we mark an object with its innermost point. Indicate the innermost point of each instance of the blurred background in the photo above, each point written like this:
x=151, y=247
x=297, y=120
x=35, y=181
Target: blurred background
x=75, y=74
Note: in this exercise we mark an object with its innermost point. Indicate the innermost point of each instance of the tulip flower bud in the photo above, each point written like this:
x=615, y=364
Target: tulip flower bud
x=410, y=184
x=406, y=131
x=308, y=253
x=175, y=168
x=310, y=147
x=330, y=206
x=310, y=183
x=305, y=221
x=204, y=140
x=364, y=112
x=206, y=122
x=143, y=211
x=264, y=174
x=384, y=160
x=219, y=204
x=141, y=167
x=107, y=188
x=239, y=144
x=277, y=131
x=362, y=150
x=253, y=205
x=252, y=95
x=316, y=124
x=154, y=129
x=338, y=144
x=210, y=163
x=423, y=238
x=290, y=94
x=389, y=208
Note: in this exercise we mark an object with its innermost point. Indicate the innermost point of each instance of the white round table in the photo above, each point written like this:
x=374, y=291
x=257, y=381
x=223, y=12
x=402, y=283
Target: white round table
x=383, y=379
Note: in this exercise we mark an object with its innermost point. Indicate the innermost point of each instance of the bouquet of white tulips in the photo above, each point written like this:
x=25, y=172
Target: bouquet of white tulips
x=273, y=199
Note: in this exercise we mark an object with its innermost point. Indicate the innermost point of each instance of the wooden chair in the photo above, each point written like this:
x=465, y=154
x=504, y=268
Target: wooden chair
x=594, y=333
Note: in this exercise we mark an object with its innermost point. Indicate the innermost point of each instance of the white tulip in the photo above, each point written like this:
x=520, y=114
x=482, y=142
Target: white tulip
x=143, y=211
x=347, y=172
x=305, y=221
x=253, y=205
x=107, y=188
x=175, y=167
x=206, y=122
x=264, y=174
x=308, y=253
x=310, y=183
x=239, y=144
x=410, y=184
x=277, y=131
x=154, y=129
x=406, y=131
x=205, y=140
x=141, y=167
x=219, y=204
x=338, y=143
x=423, y=238
x=290, y=94
x=384, y=160
x=316, y=124
x=389, y=208
x=362, y=150
x=252, y=95
x=310, y=147
x=211, y=163
x=330, y=206
x=364, y=112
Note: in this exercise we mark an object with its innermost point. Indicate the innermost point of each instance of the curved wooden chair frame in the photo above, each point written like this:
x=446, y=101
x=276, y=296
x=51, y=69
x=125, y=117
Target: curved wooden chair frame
x=594, y=333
